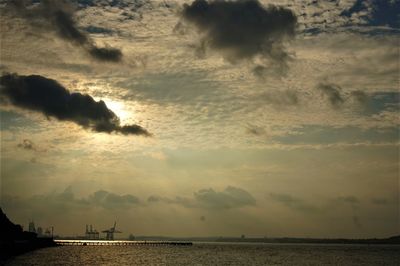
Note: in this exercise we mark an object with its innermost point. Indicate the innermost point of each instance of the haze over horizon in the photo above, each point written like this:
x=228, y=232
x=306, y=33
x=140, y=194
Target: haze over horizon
x=201, y=118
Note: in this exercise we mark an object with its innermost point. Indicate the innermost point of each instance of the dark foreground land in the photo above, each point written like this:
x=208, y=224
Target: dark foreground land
x=14, y=241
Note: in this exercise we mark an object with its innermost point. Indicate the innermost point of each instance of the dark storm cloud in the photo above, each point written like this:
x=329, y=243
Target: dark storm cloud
x=333, y=93
x=242, y=29
x=52, y=99
x=231, y=197
x=59, y=16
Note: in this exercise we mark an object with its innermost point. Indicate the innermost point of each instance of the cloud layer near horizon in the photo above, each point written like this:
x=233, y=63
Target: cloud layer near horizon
x=230, y=198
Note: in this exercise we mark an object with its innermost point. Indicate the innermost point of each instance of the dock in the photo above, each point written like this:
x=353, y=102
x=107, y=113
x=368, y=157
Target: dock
x=119, y=243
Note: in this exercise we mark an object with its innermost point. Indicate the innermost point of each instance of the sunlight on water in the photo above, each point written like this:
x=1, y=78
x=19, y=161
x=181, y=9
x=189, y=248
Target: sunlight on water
x=214, y=254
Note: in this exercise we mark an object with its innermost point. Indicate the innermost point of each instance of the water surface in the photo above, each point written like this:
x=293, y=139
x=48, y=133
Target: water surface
x=214, y=254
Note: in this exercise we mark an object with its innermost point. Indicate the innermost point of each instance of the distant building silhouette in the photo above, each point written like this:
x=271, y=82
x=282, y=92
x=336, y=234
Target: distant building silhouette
x=31, y=227
x=39, y=231
x=47, y=233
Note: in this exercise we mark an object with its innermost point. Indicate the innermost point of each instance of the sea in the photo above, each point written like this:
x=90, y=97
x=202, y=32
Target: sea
x=201, y=253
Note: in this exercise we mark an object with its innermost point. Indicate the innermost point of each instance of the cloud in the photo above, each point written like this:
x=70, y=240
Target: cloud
x=360, y=96
x=27, y=144
x=333, y=93
x=255, y=130
x=98, y=30
x=59, y=16
x=376, y=12
x=328, y=135
x=47, y=96
x=354, y=202
x=336, y=97
x=231, y=197
x=280, y=98
x=293, y=202
x=349, y=200
x=106, y=53
x=380, y=201
x=110, y=200
x=300, y=205
x=242, y=29
x=186, y=202
x=66, y=201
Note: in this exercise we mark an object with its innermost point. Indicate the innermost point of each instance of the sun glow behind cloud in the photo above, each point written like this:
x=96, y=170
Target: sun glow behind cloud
x=120, y=109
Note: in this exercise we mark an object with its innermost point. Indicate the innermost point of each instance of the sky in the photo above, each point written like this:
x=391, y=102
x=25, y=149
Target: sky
x=201, y=117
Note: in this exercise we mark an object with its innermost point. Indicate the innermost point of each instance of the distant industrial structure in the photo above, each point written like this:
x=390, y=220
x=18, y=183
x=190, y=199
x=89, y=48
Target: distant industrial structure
x=110, y=232
x=31, y=227
x=91, y=233
x=39, y=230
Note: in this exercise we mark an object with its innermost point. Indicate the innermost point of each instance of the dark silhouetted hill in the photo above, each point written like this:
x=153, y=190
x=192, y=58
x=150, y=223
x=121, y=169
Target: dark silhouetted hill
x=15, y=241
x=10, y=231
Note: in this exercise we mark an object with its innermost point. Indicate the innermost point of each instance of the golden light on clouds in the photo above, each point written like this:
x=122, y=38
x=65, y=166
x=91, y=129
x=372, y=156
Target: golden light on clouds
x=219, y=130
x=120, y=109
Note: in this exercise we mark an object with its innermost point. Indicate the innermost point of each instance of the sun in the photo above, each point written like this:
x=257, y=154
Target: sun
x=120, y=109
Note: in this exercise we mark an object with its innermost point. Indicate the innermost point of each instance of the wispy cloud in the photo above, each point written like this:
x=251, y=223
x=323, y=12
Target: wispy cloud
x=59, y=16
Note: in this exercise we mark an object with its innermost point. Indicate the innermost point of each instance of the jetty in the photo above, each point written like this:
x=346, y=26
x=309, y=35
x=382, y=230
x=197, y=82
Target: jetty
x=120, y=243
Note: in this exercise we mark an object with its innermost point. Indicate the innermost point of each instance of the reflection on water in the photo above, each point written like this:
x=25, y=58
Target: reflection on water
x=214, y=254
x=118, y=243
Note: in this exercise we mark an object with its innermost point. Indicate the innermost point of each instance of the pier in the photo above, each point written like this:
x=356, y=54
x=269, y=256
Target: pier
x=120, y=243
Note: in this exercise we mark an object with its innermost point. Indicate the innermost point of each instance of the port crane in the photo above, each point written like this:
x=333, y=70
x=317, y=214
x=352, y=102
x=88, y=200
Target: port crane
x=110, y=232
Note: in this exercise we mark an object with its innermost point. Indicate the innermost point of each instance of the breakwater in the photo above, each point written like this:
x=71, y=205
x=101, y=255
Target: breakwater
x=120, y=243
